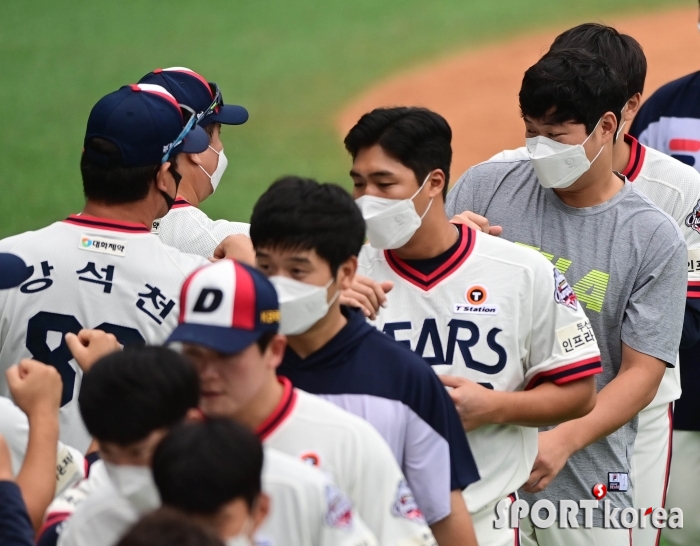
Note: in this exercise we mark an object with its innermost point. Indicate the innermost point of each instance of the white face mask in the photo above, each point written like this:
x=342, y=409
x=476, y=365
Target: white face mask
x=391, y=222
x=134, y=483
x=215, y=177
x=301, y=305
x=239, y=540
x=558, y=165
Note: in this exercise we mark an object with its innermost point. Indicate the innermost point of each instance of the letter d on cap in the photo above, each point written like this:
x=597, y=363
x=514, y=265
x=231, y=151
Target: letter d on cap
x=209, y=300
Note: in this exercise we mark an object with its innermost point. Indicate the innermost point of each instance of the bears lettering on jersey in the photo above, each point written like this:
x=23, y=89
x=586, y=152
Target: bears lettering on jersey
x=429, y=333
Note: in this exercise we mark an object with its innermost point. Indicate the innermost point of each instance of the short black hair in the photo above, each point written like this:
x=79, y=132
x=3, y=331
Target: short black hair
x=418, y=138
x=580, y=87
x=111, y=183
x=129, y=394
x=168, y=527
x=622, y=52
x=199, y=467
x=299, y=213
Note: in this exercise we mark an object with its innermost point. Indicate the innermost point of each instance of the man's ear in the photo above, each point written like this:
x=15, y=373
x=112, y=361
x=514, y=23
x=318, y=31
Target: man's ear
x=194, y=415
x=608, y=125
x=194, y=158
x=633, y=106
x=164, y=179
x=436, y=183
x=346, y=272
x=260, y=511
x=275, y=350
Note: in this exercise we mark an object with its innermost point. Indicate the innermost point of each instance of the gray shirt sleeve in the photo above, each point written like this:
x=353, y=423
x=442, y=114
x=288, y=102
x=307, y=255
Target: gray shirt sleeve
x=461, y=196
x=653, y=318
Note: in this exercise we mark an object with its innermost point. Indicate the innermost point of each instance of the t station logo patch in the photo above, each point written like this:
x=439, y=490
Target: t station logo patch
x=476, y=298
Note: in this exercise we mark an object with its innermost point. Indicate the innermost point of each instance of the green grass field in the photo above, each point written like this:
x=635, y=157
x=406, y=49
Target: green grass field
x=294, y=64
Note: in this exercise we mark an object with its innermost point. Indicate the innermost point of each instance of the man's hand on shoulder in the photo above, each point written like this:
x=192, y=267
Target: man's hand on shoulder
x=367, y=294
x=238, y=247
x=477, y=222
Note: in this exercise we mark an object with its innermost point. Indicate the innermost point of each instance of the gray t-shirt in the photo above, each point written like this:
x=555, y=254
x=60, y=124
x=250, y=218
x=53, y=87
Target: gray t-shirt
x=626, y=262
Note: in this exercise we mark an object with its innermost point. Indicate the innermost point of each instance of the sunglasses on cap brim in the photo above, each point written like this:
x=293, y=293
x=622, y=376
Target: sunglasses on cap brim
x=192, y=118
x=216, y=103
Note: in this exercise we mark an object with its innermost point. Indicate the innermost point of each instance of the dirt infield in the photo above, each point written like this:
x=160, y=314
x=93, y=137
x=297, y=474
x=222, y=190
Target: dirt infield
x=477, y=91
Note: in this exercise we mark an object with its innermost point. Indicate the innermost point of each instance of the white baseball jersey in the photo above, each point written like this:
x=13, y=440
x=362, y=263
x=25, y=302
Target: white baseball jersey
x=675, y=188
x=14, y=427
x=355, y=455
x=92, y=512
x=88, y=273
x=190, y=230
x=499, y=315
x=307, y=508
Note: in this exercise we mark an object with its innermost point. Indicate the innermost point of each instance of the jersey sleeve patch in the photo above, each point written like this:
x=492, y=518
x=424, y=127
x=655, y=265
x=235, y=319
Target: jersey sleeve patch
x=693, y=219
x=405, y=505
x=575, y=336
x=339, y=508
x=567, y=373
x=563, y=293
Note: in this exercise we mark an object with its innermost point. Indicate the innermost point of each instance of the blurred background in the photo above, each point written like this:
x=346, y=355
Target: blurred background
x=296, y=65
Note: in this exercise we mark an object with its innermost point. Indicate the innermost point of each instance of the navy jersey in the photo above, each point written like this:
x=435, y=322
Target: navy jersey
x=367, y=373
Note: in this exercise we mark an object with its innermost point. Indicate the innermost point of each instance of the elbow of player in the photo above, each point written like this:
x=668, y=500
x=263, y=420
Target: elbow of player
x=587, y=405
x=586, y=399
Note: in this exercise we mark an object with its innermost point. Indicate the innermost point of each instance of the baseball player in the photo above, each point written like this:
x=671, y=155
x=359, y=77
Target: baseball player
x=498, y=322
x=307, y=237
x=43, y=468
x=626, y=258
x=669, y=121
x=103, y=268
x=229, y=319
x=186, y=227
x=675, y=189
x=195, y=470
x=119, y=488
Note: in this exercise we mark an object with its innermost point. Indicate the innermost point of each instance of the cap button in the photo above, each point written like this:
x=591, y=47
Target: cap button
x=135, y=87
x=158, y=71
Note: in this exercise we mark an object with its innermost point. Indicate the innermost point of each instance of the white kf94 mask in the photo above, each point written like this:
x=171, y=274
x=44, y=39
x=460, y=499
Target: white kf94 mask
x=134, y=483
x=391, y=222
x=301, y=305
x=215, y=177
x=558, y=165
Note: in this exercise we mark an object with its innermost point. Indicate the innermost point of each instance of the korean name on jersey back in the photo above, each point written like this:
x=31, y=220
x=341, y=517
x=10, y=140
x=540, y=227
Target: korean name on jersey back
x=88, y=273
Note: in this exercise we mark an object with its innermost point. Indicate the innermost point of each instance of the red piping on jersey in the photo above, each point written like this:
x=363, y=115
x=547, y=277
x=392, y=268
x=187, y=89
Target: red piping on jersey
x=693, y=289
x=51, y=520
x=93, y=222
x=426, y=282
x=569, y=372
x=180, y=202
x=516, y=539
x=281, y=412
x=637, y=155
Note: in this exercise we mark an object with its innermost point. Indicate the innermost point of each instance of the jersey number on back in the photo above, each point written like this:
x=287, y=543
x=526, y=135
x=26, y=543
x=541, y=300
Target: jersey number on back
x=42, y=323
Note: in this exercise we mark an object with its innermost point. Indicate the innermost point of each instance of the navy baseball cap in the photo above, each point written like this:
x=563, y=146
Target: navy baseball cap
x=195, y=91
x=226, y=306
x=13, y=271
x=143, y=121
